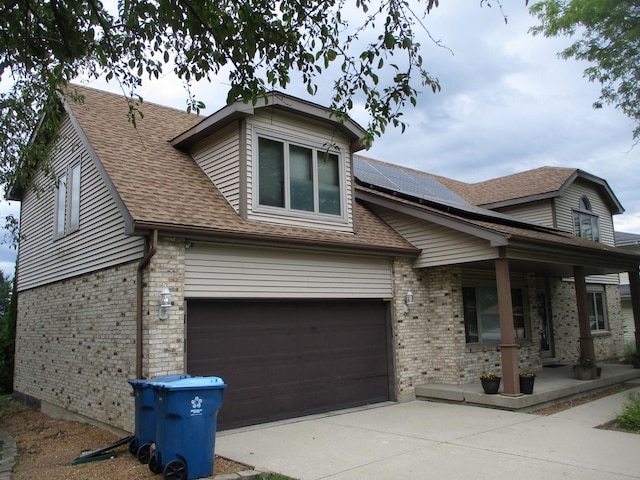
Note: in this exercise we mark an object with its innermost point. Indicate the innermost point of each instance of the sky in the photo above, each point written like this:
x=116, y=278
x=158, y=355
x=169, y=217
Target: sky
x=507, y=104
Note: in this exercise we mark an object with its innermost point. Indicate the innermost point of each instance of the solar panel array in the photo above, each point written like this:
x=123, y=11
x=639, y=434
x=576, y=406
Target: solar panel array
x=418, y=185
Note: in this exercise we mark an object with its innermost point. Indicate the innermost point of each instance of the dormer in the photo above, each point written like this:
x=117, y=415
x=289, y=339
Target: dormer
x=283, y=160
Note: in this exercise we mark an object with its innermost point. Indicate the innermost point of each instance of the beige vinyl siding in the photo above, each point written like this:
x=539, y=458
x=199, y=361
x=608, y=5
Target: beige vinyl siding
x=99, y=242
x=569, y=201
x=305, y=131
x=227, y=271
x=218, y=156
x=440, y=245
x=540, y=212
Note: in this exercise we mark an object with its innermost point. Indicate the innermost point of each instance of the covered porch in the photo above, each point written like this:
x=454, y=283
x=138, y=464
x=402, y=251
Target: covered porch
x=554, y=384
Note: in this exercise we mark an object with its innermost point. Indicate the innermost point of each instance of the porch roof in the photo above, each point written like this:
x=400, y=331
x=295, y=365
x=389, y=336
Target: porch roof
x=528, y=246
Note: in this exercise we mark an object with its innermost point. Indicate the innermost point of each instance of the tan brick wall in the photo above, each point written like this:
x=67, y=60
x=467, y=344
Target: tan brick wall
x=429, y=339
x=75, y=345
x=164, y=340
x=609, y=346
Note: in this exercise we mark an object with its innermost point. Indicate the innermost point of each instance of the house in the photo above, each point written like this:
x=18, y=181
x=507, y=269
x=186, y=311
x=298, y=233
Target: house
x=631, y=242
x=256, y=245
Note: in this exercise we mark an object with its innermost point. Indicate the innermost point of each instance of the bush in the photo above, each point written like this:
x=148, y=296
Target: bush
x=630, y=416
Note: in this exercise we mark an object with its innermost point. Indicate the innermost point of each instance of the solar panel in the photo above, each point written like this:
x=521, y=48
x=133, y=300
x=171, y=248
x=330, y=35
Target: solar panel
x=417, y=185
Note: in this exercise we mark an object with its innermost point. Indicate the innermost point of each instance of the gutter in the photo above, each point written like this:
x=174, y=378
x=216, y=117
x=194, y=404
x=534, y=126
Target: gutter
x=139, y=331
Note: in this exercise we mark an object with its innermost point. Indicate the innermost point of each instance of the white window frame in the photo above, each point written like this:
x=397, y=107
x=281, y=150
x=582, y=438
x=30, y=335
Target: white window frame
x=592, y=293
x=584, y=212
x=316, y=147
x=67, y=204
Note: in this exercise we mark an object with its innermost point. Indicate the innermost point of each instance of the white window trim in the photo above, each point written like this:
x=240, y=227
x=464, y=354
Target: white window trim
x=71, y=189
x=591, y=291
x=306, y=143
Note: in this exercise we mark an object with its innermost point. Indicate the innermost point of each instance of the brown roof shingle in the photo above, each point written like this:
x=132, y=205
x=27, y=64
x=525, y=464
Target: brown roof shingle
x=160, y=185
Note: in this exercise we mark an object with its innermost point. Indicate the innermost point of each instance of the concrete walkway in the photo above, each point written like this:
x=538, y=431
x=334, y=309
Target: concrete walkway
x=422, y=439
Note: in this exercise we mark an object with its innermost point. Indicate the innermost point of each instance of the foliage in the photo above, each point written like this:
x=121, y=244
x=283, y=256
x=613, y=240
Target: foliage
x=608, y=34
x=630, y=416
x=8, y=315
x=629, y=351
x=261, y=43
x=585, y=363
x=490, y=376
x=525, y=373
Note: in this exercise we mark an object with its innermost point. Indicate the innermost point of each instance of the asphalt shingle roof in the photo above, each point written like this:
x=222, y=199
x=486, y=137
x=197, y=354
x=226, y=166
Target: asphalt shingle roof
x=161, y=185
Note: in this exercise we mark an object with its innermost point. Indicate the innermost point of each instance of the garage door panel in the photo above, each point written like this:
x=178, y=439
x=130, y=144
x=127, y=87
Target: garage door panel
x=285, y=359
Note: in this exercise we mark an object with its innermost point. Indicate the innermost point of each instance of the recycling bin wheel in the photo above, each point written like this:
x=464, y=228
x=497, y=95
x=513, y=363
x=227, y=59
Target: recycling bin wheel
x=144, y=453
x=175, y=470
x=154, y=465
x=133, y=447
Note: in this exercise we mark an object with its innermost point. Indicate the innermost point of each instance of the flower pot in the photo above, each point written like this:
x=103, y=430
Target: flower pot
x=490, y=385
x=584, y=373
x=526, y=384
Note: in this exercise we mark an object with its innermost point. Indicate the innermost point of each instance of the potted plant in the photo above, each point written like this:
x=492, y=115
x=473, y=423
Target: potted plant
x=490, y=383
x=527, y=379
x=584, y=368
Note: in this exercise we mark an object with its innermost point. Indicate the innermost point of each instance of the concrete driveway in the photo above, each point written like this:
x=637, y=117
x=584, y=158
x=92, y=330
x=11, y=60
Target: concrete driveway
x=427, y=440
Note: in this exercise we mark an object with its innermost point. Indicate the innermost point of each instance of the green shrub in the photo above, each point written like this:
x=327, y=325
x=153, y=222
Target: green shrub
x=629, y=350
x=630, y=416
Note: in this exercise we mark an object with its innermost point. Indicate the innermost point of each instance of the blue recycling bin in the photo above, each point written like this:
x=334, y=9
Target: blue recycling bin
x=145, y=415
x=186, y=419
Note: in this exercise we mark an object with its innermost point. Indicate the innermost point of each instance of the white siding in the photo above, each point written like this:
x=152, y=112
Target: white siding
x=306, y=131
x=439, y=245
x=99, y=242
x=540, y=212
x=228, y=271
x=218, y=157
x=570, y=201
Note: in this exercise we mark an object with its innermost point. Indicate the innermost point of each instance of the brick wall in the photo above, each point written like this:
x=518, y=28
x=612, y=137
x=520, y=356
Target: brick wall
x=429, y=338
x=608, y=346
x=75, y=345
x=164, y=339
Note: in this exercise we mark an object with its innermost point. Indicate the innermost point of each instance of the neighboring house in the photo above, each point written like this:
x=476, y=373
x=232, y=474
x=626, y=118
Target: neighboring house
x=308, y=278
x=631, y=242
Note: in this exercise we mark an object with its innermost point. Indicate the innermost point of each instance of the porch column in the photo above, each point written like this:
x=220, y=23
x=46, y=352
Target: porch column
x=586, y=338
x=508, y=346
x=634, y=287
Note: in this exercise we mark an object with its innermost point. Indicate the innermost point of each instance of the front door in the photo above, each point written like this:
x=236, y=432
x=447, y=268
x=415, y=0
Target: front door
x=544, y=327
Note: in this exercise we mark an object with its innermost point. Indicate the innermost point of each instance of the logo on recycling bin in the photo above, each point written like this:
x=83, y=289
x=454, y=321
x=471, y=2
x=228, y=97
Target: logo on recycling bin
x=196, y=406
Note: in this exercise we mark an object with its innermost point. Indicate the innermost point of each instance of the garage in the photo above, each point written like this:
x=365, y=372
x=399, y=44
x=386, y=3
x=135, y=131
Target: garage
x=283, y=359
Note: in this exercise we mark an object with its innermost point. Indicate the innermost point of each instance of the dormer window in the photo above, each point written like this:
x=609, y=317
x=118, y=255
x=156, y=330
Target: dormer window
x=585, y=223
x=298, y=177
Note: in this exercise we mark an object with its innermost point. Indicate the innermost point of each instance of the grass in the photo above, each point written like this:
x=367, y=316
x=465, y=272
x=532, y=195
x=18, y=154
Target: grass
x=630, y=416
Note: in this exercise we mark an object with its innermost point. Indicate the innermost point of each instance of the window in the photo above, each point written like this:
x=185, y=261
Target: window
x=585, y=223
x=481, y=317
x=597, y=309
x=299, y=178
x=67, y=217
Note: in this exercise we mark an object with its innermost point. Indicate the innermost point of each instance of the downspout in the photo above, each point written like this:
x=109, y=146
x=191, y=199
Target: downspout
x=141, y=266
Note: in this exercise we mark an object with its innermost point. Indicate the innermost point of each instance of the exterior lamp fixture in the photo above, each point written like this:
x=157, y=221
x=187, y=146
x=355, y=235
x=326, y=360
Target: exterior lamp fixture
x=408, y=302
x=165, y=304
x=409, y=299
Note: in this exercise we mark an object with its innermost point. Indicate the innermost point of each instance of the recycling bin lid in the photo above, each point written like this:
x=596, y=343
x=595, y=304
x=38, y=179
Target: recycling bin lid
x=146, y=382
x=192, y=383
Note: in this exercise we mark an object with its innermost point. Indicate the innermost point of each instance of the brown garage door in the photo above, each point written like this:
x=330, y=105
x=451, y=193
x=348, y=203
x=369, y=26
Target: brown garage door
x=284, y=359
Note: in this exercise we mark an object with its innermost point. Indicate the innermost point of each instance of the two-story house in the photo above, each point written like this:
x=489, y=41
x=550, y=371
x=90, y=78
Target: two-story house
x=254, y=245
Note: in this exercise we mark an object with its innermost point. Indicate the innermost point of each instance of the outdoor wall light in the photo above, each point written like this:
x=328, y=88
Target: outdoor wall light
x=408, y=302
x=165, y=304
x=409, y=299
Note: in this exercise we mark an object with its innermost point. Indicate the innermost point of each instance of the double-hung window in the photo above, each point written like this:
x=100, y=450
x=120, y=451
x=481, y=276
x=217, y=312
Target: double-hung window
x=67, y=216
x=296, y=177
x=585, y=223
x=481, y=316
x=596, y=306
